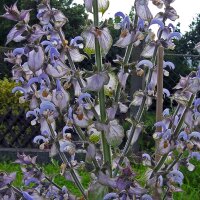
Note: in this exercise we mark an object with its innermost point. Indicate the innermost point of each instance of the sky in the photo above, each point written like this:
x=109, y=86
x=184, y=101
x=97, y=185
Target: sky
x=187, y=10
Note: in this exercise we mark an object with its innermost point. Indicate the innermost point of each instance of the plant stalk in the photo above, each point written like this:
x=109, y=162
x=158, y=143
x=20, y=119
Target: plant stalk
x=125, y=62
x=98, y=59
x=140, y=111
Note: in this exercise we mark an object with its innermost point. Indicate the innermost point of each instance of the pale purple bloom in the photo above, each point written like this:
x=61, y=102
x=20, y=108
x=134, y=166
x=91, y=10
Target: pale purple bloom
x=6, y=179
x=12, y=13
x=183, y=136
x=166, y=112
x=142, y=10
x=176, y=176
x=27, y=196
x=195, y=155
x=146, y=197
x=110, y=196
x=158, y=22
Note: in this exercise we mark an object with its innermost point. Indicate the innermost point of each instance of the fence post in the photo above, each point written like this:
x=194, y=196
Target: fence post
x=159, y=99
x=159, y=107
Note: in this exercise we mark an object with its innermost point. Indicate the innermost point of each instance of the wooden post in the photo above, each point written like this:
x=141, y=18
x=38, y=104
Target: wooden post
x=159, y=100
x=159, y=107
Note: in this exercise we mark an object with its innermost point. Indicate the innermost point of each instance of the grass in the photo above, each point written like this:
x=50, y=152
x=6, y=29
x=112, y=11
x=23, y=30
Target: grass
x=191, y=187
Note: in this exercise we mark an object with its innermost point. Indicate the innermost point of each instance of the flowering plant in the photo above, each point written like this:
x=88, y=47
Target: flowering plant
x=91, y=102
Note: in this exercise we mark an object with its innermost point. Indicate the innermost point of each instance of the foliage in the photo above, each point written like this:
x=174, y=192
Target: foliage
x=9, y=100
x=95, y=103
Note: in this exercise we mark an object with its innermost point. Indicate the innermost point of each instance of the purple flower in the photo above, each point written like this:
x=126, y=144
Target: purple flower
x=25, y=160
x=6, y=179
x=12, y=13
x=195, y=155
x=27, y=196
x=176, y=177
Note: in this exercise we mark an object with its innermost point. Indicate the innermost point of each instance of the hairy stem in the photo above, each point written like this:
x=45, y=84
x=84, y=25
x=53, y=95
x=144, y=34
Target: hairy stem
x=140, y=111
x=98, y=59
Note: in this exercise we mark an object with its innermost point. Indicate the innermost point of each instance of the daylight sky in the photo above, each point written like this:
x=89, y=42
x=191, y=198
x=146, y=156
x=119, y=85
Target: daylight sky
x=187, y=10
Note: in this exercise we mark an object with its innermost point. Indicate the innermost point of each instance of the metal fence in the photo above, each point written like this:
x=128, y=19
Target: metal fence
x=16, y=131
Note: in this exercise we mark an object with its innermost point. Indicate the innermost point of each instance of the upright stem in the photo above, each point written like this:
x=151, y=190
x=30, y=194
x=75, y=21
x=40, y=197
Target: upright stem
x=125, y=61
x=98, y=59
x=140, y=111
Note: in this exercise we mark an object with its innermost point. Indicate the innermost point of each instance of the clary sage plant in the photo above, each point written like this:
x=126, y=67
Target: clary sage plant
x=91, y=104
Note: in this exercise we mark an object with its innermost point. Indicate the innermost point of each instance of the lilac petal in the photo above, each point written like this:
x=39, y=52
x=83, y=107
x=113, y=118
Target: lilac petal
x=83, y=96
x=97, y=81
x=105, y=180
x=31, y=180
x=111, y=112
x=32, y=81
x=177, y=35
x=38, y=138
x=18, y=88
x=66, y=128
x=29, y=113
x=183, y=136
x=125, y=24
x=76, y=56
x=169, y=64
x=166, y=92
x=15, y=34
x=149, y=50
x=122, y=76
x=60, y=98
x=105, y=40
x=162, y=124
x=27, y=196
x=170, y=25
x=142, y=10
x=73, y=42
x=140, y=25
x=25, y=15
x=195, y=135
x=70, y=113
x=18, y=51
x=89, y=39
x=147, y=63
x=171, y=13
x=52, y=71
x=88, y=5
x=158, y=22
x=36, y=59
x=146, y=156
x=46, y=105
x=53, y=53
x=91, y=153
x=44, y=77
x=195, y=155
x=120, y=14
x=124, y=40
x=103, y=5
x=166, y=112
x=58, y=85
x=146, y=197
x=110, y=196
